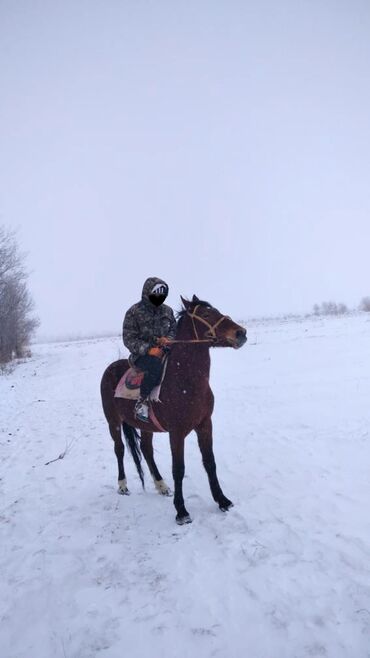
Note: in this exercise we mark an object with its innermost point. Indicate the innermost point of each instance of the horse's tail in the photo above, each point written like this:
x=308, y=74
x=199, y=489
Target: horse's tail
x=133, y=441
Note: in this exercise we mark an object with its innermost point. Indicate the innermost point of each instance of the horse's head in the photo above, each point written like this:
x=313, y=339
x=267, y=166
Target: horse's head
x=209, y=324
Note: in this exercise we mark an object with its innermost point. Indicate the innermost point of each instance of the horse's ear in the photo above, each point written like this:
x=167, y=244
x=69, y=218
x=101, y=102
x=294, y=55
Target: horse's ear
x=185, y=302
x=195, y=299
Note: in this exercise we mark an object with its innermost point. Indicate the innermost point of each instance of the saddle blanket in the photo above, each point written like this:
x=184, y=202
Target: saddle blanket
x=128, y=386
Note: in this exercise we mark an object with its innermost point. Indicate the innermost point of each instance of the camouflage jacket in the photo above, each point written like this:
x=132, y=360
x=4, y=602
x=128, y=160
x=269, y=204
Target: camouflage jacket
x=145, y=322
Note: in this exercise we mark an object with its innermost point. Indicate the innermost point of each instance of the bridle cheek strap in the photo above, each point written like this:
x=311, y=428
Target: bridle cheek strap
x=211, y=333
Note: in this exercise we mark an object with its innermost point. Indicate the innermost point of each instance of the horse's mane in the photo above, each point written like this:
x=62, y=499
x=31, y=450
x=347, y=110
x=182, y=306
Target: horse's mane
x=181, y=314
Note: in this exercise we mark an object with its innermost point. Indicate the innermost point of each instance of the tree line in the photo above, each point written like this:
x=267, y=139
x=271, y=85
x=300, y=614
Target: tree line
x=334, y=308
x=17, y=322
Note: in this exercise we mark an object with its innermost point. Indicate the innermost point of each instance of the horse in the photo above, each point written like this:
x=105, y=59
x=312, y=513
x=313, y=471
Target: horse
x=186, y=402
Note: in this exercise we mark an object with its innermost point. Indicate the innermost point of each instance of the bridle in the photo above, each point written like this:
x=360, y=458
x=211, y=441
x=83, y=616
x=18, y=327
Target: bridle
x=211, y=333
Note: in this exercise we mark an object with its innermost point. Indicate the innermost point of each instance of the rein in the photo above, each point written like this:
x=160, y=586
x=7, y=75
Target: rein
x=211, y=329
x=186, y=342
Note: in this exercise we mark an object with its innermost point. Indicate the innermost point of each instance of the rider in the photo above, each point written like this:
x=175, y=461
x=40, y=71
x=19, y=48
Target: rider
x=148, y=329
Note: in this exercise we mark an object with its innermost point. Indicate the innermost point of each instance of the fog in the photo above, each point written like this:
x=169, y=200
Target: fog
x=221, y=146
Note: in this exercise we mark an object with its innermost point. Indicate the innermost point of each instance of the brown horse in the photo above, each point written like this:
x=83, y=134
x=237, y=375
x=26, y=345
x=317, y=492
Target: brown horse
x=186, y=402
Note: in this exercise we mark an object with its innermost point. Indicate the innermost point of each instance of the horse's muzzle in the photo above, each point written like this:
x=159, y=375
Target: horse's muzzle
x=239, y=339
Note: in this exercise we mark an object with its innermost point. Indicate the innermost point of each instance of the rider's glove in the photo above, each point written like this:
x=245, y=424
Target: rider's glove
x=163, y=341
x=155, y=351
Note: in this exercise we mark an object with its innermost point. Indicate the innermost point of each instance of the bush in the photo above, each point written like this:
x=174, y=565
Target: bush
x=365, y=304
x=330, y=308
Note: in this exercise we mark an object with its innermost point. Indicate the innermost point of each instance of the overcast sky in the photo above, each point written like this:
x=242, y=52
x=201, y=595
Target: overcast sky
x=223, y=146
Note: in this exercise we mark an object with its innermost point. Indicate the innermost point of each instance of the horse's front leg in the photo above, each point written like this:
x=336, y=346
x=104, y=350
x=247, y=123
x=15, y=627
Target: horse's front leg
x=178, y=471
x=146, y=445
x=205, y=441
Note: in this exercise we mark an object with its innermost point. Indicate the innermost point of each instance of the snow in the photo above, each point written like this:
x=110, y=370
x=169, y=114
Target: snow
x=285, y=574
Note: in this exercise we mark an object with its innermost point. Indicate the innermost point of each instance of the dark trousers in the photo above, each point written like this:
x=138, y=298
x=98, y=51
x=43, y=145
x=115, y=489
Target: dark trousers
x=152, y=368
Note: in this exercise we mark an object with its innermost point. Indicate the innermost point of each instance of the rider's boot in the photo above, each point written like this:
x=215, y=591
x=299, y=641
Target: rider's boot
x=142, y=409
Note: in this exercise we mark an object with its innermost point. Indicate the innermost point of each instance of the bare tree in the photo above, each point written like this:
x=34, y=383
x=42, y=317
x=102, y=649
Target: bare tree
x=16, y=305
x=11, y=259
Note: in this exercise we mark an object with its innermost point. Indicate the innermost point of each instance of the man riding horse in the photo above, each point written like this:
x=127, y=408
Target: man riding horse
x=186, y=396
x=148, y=328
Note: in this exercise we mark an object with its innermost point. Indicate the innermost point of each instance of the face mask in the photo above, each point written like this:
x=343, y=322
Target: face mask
x=157, y=300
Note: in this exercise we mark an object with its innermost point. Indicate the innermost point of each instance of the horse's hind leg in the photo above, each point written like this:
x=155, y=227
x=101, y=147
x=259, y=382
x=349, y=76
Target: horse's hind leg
x=119, y=449
x=108, y=385
x=146, y=445
x=205, y=440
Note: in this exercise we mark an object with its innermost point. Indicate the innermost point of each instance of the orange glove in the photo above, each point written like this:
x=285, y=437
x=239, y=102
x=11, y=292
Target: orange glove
x=155, y=351
x=163, y=341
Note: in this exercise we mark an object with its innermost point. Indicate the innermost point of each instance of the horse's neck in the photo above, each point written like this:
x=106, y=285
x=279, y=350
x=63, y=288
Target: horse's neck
x=191, y=360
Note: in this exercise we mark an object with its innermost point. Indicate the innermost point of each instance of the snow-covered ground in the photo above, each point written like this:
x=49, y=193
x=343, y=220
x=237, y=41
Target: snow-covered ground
x=285, y=574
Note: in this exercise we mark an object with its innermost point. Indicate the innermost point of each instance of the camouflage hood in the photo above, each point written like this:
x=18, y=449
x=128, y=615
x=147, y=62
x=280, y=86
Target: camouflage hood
x=144, y=322
x=148, y=287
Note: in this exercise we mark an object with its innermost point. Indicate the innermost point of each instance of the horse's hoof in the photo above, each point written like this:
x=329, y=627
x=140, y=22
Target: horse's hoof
x=226, y=505
x=122, y=487
x=162, y=488
x=123, y=491
x=182, y=520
